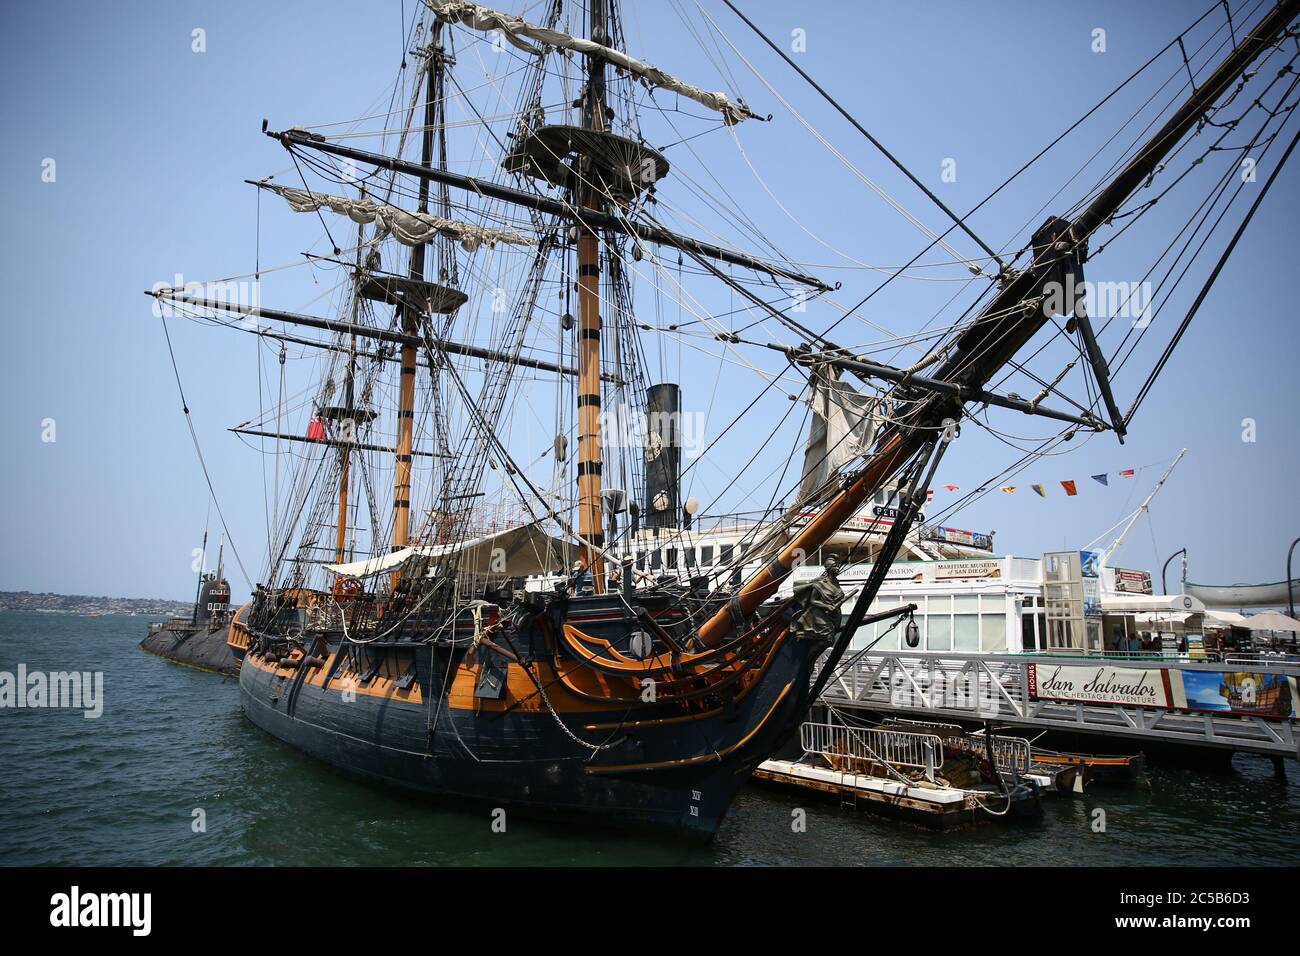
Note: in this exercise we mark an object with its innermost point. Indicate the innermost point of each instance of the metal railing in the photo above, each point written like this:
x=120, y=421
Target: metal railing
x=1011, y=754
x=896, y=748
x=942, y=687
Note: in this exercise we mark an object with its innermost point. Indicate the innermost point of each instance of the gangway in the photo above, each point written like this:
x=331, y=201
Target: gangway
x=998, y=688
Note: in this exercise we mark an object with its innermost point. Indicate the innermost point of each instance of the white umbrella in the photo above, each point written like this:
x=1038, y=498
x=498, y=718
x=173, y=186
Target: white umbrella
x=1272, y=621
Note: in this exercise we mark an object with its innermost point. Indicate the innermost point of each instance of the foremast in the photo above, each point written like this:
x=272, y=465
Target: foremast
x=590, y=454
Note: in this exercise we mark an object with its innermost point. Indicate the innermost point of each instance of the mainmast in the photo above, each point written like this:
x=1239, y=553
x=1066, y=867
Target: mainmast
x=590, y=522
x=410, y=325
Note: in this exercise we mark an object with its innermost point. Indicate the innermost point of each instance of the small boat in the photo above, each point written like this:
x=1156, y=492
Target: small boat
x=1120, y=770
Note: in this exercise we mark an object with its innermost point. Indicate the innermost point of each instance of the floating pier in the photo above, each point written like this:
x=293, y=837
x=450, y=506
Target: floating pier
x=900, y=773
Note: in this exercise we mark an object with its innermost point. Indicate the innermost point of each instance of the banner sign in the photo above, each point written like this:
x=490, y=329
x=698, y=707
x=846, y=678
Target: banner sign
x=957, y=570
x=1100, y=684
x=1132, y=582
x=1239, y=692
x=1251, y=693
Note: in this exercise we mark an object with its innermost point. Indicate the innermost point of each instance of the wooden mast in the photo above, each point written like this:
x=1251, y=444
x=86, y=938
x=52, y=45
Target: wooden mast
x=590, y=520
x=411, y=327
x=345, y=456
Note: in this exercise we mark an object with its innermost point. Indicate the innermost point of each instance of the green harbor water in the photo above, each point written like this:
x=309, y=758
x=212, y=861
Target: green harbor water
x=123, y=789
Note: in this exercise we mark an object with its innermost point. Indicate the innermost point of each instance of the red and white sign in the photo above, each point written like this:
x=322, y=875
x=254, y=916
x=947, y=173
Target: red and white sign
x=1100, y=684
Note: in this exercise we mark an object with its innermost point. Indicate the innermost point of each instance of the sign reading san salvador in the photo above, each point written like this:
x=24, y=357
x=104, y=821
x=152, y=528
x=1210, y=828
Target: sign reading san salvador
x=1099, y=684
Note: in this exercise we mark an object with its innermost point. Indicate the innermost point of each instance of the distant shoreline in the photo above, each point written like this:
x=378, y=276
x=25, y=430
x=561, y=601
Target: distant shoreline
x=83, y=604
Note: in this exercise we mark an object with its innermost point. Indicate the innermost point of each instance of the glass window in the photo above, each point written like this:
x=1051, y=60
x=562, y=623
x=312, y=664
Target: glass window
x=935, y=604
x=656, y=560
x=966, y=603
x=672, y=559
x=938, y=633
x=966, y=632
x=690, y=556
x=1028, y=640
x=725, y=556
x=640, y=560
x=993, y=633
x=706, y=555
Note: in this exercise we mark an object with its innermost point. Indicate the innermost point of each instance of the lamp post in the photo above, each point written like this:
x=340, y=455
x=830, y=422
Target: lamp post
x=1183, y=551
x=1290, y=598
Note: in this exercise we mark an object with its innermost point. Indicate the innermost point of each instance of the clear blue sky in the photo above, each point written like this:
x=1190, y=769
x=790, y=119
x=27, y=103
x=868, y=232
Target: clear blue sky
x=152, y=144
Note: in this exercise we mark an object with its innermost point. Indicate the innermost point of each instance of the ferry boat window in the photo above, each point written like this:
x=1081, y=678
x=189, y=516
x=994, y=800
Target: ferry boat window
x=656, y=560
x=966, y=633
x=725, y=556
x=672, y=559
x=706, y=555
x=993, y=633
x=938, y=633
x=690, y=556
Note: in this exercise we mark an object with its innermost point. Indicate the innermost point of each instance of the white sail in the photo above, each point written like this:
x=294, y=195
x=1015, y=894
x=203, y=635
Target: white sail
x=409, y=228
x=843, y=428
x=518, y=31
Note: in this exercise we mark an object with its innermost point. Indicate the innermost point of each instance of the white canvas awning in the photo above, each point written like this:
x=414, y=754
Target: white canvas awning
x=1272, y=621
x=516, y=552
x=1135, y=603
x=1226, y=618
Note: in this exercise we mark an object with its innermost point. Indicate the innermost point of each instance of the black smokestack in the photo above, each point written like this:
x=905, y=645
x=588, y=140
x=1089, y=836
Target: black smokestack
x=663, y=456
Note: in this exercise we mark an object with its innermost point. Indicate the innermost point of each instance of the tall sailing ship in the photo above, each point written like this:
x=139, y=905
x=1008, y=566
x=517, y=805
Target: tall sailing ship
x=399, y=639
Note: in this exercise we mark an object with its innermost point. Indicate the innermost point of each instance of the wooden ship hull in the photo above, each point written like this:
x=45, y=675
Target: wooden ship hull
x=415, y=717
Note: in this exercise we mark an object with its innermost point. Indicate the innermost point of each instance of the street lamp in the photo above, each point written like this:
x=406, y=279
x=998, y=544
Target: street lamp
x=1290, y=598
x=1183, y=551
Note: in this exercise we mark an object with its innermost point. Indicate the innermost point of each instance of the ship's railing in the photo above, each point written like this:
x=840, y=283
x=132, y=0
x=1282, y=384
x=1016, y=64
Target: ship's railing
x=894, y=747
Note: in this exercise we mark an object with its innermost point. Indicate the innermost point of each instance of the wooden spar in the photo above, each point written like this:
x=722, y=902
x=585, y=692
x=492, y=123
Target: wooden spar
x=986, y=345
x=366, y=332
x=410, y=327
x=333, y=442
x=554, y=207
x=591, y=523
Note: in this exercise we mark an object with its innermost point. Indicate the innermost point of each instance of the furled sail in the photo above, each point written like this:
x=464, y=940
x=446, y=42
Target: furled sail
x=515, y=552
x=518, y=31
x=843, y=428
x=409, y=228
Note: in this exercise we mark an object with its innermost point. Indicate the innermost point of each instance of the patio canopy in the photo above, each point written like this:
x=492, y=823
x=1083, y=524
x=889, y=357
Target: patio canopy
x=1272, y=621
x=1134, y=603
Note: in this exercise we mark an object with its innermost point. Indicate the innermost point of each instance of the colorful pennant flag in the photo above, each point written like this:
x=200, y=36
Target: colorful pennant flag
x=1008, y=489
x=952, y=487
x=1126, y=473
x=929, y=495
x=1104, y=479
x=1070, y=489
x=1039, y=489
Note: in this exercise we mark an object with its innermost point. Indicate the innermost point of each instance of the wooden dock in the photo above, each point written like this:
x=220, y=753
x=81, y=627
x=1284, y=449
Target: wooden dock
x=927, y=804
